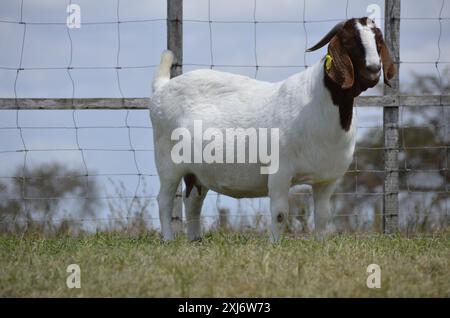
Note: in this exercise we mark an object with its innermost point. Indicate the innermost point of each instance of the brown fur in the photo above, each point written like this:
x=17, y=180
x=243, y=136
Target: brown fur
x=190, y=181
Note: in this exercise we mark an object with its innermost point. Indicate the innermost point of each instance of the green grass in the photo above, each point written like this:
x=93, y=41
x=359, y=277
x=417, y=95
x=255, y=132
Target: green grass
x=225, y=265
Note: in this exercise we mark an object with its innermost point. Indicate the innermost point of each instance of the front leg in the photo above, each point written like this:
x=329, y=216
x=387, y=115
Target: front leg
x=322, y=214
x=279, y=203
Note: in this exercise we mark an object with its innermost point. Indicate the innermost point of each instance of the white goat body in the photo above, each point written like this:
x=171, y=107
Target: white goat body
x=314, y=149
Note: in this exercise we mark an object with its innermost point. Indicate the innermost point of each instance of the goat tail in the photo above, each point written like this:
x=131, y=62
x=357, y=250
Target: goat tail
x=162, y=75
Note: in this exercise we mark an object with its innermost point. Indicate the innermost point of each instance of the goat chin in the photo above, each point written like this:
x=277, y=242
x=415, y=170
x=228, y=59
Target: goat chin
x=313, y=147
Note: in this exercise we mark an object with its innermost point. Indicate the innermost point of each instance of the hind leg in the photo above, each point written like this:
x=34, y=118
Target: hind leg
x=166, y=198
x=193, y=207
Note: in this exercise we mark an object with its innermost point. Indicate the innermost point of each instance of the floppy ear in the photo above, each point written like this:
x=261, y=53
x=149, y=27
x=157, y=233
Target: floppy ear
x=341, y=69
x=388, y=65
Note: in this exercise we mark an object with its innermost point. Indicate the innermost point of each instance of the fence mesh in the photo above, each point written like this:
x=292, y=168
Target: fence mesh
x=118, y=180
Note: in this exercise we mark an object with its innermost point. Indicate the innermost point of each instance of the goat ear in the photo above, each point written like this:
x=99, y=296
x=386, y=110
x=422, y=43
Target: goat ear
x=388, y=65
x=341, y=68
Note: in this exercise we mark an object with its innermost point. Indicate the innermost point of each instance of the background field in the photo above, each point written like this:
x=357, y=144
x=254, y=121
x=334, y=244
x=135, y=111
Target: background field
x=225, y=265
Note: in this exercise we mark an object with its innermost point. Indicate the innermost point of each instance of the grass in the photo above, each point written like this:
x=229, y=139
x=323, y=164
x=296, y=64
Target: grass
x=225, y=265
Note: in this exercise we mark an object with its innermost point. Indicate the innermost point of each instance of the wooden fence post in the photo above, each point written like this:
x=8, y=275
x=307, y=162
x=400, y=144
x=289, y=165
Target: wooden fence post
x=391, y=122
x=175, y=44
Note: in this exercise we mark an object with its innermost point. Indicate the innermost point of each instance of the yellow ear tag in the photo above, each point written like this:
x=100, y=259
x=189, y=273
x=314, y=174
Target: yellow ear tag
x=328, y=61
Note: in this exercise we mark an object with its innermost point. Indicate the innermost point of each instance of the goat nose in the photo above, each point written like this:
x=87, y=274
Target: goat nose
x=374, y=68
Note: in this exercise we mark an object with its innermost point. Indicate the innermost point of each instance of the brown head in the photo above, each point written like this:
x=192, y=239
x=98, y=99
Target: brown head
x=358, y=53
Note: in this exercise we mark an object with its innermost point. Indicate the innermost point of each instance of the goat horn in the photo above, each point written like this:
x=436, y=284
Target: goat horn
x=327, y=37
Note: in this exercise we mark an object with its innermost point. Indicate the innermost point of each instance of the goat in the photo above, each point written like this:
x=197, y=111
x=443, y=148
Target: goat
x=313, y=110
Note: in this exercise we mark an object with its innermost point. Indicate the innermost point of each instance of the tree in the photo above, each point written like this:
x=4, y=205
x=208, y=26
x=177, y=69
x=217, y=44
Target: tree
x=46, y=199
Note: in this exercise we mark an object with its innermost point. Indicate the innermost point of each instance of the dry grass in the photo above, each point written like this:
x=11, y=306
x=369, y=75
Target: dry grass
x=225, y=265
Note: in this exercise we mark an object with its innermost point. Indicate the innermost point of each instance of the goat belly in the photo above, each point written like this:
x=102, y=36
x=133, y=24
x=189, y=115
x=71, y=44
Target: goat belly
x=234, y=180
x=324, y=164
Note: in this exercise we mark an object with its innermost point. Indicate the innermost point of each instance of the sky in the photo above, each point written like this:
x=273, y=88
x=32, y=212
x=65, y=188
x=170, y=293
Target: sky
x=280, y=41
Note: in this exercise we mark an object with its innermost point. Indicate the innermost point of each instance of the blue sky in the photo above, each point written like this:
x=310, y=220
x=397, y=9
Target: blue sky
x=47, y=45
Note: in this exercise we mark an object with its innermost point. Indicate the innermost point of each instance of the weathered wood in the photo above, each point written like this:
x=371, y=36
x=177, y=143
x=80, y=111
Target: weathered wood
x=78, y=103
x=175, y=44
x=175, y=34
x=403, y=100
x=144, y=103
x=390, y=121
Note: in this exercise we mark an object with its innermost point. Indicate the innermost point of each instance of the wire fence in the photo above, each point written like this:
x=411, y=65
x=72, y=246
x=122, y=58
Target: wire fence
x=358, y=201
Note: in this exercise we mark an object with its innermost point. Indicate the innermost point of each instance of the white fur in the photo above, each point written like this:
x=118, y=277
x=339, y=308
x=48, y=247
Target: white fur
x=162, y=75
x=314, y=149
x=368, y=41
